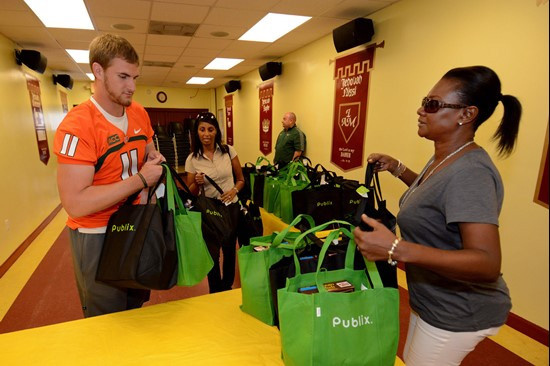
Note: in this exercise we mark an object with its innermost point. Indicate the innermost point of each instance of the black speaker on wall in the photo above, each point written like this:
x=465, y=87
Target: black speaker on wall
x=270, y=70
x=63, y=80
x=352, y=34
x=232, y=85
x=34, y=60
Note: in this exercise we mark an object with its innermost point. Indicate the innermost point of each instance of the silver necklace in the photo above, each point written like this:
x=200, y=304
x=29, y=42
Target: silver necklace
x=434, y=169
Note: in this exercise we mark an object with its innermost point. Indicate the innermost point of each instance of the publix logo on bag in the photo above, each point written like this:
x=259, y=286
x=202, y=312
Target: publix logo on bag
x=213, y=213
x=353, y=322
x=326, y=203
x=123, y=227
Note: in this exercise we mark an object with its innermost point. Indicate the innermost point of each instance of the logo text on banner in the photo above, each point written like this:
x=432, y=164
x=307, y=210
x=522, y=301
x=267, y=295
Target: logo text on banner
x=351, y=82
x=266, y=117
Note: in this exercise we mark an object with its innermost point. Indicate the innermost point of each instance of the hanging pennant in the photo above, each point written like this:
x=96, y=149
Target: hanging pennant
x=229, y=118
x=351, y=75
x=266, y=117
x=33, y=85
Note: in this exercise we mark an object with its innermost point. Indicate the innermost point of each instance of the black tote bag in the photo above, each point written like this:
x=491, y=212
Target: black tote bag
x=219, y=221
x=250, y=223
x=374, y=206
x=139, y=250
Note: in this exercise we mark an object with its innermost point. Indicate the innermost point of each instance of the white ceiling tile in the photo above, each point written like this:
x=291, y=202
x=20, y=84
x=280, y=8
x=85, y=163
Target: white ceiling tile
x=133, y=9
x=167, y=40
x=209, y=43
x=27, y=18
x=206, y=30
x=234, y=17
x=106, y=24
x=179, y=13
x=264, y=5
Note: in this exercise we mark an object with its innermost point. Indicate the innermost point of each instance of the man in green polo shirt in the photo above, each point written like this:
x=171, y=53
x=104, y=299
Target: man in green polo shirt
x=291, y=142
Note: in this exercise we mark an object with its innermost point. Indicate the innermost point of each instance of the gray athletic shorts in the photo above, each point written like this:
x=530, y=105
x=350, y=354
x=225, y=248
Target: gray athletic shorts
x=98, y=298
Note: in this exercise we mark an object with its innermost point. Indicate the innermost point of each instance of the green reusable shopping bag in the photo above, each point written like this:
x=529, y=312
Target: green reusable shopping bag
x=296, y=180
x=254, y=269
x=272, y=185
x=339, y=328
x=194, y=260
x=272, y=189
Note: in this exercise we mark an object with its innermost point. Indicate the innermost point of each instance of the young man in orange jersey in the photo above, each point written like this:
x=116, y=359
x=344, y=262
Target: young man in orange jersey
x=105, y=153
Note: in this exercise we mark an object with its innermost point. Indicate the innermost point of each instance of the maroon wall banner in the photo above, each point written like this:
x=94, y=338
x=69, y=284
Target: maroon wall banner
x=541, y=194
x=351, y=75
x=33, y=85
x=266, y=117
x=64, y=102
x=229, y=118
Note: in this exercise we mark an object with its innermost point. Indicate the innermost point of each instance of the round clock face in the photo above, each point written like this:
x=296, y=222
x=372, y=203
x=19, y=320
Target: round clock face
x=161, y=97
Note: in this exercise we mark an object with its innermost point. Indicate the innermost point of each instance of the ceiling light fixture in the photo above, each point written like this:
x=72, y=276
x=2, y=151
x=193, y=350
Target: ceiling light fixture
x=198, y=80
x=80, y=56
x=61, y=13
x=273, y=26
x=221, y=63
x=90, y=76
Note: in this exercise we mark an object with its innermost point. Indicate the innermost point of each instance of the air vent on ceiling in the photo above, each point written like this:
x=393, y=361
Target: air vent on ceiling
x=172, y=29
x=158, y=63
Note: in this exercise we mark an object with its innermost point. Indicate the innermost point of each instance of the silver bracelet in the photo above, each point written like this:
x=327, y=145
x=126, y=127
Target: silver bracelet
x=399, y=170
x=390, y=252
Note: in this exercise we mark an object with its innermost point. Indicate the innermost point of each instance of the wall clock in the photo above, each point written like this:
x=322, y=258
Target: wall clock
x=161, y=96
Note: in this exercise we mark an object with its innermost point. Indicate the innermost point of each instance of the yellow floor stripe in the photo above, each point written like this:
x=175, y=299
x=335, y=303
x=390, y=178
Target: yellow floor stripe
x=523, y=346
x=17, y=276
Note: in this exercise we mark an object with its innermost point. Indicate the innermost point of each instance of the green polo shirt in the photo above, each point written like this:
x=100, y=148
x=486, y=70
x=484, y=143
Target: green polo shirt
x=288, y=142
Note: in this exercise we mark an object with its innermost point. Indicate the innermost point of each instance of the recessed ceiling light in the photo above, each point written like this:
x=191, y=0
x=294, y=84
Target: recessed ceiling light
x=219, y=34
x=198, y=80
x=122, y=26
x=61, y=13
x=221, y=63
x=90, y=76
x=80, y=56
x=273, y=26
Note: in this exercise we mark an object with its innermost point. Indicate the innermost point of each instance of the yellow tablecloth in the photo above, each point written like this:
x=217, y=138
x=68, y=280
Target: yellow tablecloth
x=203, y=330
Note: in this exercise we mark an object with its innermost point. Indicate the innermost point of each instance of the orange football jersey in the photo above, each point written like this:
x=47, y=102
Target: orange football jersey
x=86, y=137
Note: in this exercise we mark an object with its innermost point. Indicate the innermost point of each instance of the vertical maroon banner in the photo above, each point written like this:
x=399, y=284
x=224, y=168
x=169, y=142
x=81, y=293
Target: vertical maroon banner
x=33, y=85
x=351, y=74
x=541, y=193
x=64, y=102
x=229, y=118
x=266, y=117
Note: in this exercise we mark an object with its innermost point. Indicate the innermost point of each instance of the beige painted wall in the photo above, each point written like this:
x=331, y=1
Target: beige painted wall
x=424, y=39
x=510, y=36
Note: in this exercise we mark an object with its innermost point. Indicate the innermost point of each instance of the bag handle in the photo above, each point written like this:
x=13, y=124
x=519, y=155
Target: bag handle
x=218, y=188
x=312, y=231
x=277, y=241
x=172, y=197
x=372, y=271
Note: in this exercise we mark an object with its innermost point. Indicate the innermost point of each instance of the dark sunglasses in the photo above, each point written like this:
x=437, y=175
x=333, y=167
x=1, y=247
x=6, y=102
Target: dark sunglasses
x=206, y=116
x=432, y=105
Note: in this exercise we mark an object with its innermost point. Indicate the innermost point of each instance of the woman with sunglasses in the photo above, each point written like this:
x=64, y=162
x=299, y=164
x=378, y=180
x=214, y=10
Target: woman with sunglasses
x=448, y=220
x=219, y=162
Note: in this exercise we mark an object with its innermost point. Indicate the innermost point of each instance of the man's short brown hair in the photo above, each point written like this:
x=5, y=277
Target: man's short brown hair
x=105, y=48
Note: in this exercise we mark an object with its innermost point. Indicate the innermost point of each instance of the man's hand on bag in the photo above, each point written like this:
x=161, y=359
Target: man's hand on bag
x=152, y=170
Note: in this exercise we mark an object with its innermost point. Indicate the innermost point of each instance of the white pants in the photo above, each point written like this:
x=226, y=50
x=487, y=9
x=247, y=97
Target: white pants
x=427, y=345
